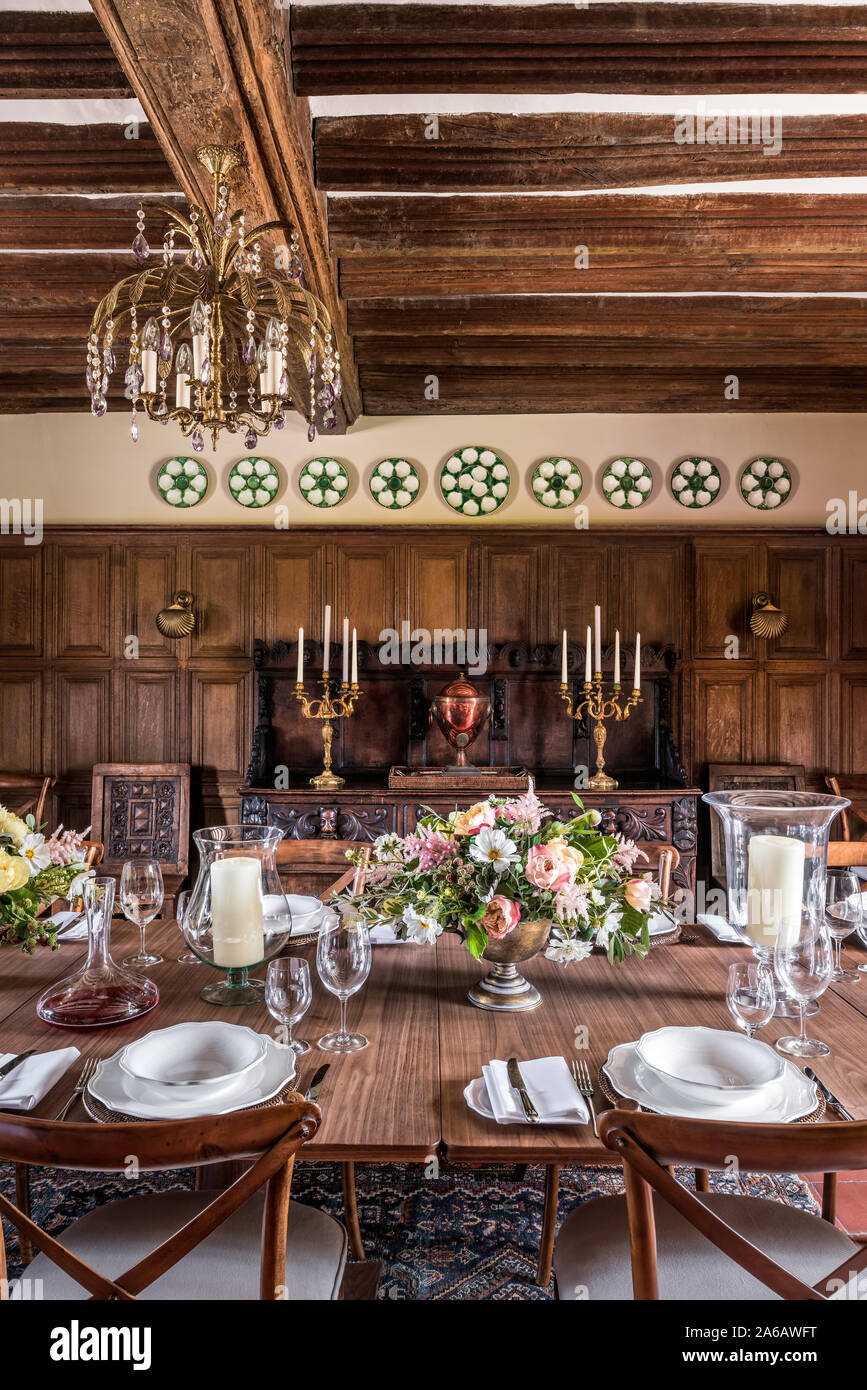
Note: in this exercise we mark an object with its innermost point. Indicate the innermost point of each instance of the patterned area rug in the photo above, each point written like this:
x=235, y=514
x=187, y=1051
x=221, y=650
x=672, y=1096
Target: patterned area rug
x=464, y=1233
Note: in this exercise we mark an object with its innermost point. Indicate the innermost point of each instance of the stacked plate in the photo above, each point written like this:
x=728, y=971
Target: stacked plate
x=710, y=1074
x=307, y=914
x=191, y=1069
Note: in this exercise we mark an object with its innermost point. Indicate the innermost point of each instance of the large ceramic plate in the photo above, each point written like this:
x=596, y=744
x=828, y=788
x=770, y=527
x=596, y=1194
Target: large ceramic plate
x=123, y=1093
x=790, y=1098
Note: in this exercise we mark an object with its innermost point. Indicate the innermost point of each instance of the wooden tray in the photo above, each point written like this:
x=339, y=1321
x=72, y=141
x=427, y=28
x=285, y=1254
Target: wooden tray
x=433, y=779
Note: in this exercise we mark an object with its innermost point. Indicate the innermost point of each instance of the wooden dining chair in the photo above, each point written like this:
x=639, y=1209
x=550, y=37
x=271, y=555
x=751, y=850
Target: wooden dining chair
x=27, y=791
x=843, y=854
x=661, y=859
x=664, y=1241
x=243, y=1243
x=854, y=786
x=142, y=810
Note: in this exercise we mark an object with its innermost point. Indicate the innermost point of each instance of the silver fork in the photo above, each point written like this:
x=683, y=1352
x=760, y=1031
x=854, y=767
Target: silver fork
x=86, y=1073
x=581, y=1074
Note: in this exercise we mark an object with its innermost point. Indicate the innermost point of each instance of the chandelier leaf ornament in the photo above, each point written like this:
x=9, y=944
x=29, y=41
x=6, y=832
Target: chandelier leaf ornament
x=220, y=322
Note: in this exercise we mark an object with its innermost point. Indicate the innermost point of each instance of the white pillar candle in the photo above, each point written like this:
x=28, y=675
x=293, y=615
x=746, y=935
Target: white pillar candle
x=597, y=618
x=326, y=639
x=616, y=656
x=588, y=658
x=354, y=659
x=775, y=888
x=564, y=664
x=345, y=651
x=300, y=677
x=236, y=912
x=149, y=369
x=637, y=683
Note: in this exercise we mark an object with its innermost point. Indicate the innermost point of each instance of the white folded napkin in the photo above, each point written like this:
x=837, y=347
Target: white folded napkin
x=550, y=1086
x=383, y=934
x=61, y=920
x=32, y=1079
x=722, y=930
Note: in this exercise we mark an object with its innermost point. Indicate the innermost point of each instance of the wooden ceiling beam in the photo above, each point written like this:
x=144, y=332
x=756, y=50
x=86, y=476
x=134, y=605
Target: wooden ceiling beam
x=57, y=55
x=219, y=72
x=574, y=150
x=58, y=283
x=66, y=222
x=692, y=48
x=45, y=158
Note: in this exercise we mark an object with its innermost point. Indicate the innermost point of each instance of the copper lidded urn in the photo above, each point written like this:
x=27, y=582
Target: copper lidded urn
x=461, y=712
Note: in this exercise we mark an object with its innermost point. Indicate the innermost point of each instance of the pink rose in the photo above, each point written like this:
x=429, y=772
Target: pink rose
x=638, y=894
x=546, y=870
x=501, y=917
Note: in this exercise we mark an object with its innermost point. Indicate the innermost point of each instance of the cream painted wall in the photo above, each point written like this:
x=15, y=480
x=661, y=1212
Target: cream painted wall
x=88, y=471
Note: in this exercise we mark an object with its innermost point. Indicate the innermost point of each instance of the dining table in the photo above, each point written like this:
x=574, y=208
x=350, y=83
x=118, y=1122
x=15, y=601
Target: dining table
x=401, y=1099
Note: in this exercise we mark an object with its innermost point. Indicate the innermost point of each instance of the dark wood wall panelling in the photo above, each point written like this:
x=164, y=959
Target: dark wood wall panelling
x=70, y=697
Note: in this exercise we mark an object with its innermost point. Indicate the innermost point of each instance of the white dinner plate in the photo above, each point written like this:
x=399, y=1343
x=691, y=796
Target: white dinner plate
x=211, y=1053
x=660, y=925
x=476, y=1096
x=789, y=1098
x=716, y=1058
x=115, y=1089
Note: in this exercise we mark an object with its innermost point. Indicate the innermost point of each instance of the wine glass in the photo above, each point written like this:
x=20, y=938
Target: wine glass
x=750, y=995
x=843, y=914
x=288, y=993
x=141, y=897
x=343, y=963
x=183, y=902
x=803, y=961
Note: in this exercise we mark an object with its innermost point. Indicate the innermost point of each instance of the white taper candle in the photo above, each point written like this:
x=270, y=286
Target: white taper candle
x=637, y=683
x=345, y=651
x=597, y=618
x=588, y=658
x=565, y=662
x=617, y=656
x=300, y=676
x=354, y=659
x=326, y=639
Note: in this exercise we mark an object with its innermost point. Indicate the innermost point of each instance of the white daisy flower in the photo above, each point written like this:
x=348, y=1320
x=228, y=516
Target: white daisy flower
x=493, y=846
x=564, y=952
x=32, y=848
x=422, y=927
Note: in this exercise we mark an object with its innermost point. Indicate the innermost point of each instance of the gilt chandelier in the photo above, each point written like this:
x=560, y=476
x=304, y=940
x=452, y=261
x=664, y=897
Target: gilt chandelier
x=220, y=323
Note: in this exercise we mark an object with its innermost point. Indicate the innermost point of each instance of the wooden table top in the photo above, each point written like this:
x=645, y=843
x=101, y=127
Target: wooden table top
x=402, y=1097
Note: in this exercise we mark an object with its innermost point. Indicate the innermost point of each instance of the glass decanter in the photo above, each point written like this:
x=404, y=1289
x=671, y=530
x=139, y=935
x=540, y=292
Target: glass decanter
x=776, y=866
x=237, y=916
x=101, y=993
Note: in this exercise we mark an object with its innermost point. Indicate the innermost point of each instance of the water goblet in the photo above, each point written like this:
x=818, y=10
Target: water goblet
x=181, y=907
x=750, y=995
x=343, y=963
x=843, y=914
x=288, y=993
x=804, y=964
x=141, y=897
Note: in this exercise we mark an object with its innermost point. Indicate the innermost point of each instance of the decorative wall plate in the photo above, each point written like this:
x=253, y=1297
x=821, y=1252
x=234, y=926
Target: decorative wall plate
x=323, y=482
x=695, y=482
x=182, y=482
x=627, y=483
x=556, y=482
x=474, y=480
x=394, y=483
x=765, y=484
x=254, y=482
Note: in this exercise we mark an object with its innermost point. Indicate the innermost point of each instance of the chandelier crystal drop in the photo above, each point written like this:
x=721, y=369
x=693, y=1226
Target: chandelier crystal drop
x=229, y=329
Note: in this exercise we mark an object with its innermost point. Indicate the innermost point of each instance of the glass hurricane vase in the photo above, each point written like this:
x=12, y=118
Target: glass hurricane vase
x=101, y=993
x=237, y=916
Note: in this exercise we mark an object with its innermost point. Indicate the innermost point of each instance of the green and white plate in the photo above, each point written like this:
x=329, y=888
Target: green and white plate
x=695, y=482
x=627, y=483
x=765, y=484
x=394, y=483
x=254, y=482
x=182, y=482
x=323, y=482
x=556, y=483
x=474, y=480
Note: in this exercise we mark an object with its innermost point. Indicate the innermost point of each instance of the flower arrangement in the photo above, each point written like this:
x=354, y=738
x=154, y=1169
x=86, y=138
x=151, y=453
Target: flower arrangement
x=483, y=871
x=34, y=871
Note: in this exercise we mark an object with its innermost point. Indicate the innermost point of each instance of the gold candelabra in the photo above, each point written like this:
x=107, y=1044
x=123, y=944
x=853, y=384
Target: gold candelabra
x=326, y=709
x=600, y=707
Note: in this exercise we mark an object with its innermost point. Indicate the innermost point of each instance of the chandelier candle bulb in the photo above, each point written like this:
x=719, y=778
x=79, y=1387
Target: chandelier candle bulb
x=775, y=888
x=326, y=639
x=300, y=675
x=588, y=658
x=345, y=651
x=617, y=659
x=597, y=618
x=149, y=367
x=236, y=912
x=200, y=352
x=563, y=664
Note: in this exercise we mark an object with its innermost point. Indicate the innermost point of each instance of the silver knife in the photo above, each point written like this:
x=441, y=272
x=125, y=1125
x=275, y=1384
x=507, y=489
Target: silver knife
x=516, y=1081
x=312, y=1092
x=15, y=1061
x=830, y=1098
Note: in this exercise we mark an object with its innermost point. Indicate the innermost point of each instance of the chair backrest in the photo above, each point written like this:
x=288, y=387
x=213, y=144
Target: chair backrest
x=27, y=790
x=661, y=857
x=272, y=1135
x=310, y=866
x=854, y=786
x=142, y=810
x=843, y=853
x=650, y=1144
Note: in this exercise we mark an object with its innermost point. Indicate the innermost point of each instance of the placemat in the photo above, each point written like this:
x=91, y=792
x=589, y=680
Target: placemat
x=610, y=1094
x=104, y=1115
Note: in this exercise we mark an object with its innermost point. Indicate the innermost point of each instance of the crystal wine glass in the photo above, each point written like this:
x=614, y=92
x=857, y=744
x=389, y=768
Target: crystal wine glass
x=843, y=914
x=343, y=963
x=288, y=994
x=750, y=995
x=141, y=897
x=181, y=907
x=804, y=964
